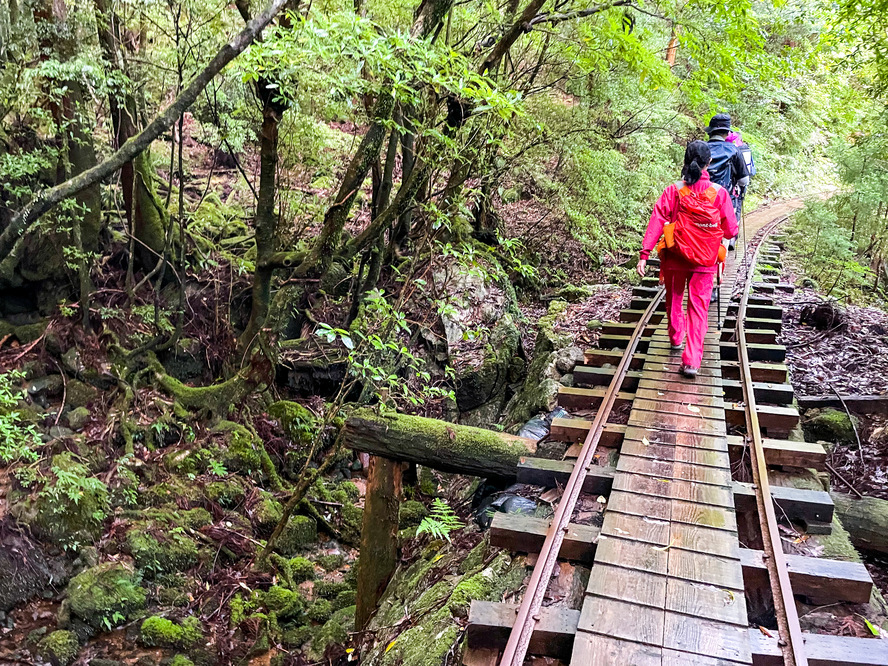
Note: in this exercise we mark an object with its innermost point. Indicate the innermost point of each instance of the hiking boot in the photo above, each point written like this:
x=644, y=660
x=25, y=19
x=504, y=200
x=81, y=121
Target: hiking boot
x=731, y=247
x=688, y=371
x=678, y=347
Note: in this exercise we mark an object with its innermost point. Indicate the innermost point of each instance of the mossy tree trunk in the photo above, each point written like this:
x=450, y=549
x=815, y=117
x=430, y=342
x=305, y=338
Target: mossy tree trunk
x=865, y=519
x=439, y=444
x=379, y=536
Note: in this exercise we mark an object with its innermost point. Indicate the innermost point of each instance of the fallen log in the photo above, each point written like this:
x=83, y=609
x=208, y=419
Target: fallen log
x=444, y=446
x=866, y=520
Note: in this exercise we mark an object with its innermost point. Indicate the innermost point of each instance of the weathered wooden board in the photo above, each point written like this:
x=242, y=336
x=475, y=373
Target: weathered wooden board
x=491, y=622
x=784, y=452
x=765, y=392
x=525, y=534
x=573, y=398
x=598, y=650
x=827, y=581
x=761, y=372
x=551, y=473
x=700, y=636
x=792, y=503
x=822, y=650
x=776, y=353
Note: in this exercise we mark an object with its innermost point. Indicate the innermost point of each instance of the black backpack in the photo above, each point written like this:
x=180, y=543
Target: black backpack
x=720, y=170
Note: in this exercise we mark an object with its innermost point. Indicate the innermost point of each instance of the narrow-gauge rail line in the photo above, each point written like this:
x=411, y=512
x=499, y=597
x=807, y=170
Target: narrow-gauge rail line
x=792, y=645
x=529, y=612
x=670, y=579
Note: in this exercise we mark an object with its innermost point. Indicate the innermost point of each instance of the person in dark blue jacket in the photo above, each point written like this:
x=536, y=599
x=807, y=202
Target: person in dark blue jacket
x=728, y=168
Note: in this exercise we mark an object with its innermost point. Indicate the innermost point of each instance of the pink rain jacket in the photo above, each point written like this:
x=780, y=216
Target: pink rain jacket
x=664, y=212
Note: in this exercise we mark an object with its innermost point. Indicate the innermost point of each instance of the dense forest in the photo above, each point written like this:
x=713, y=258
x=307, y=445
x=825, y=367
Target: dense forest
x=224, y=228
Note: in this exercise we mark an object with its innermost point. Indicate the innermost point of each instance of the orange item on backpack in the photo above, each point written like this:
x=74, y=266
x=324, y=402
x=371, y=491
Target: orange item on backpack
x=697, y=233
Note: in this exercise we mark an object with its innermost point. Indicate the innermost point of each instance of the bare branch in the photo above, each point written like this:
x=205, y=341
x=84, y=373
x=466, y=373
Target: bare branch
x=48, y=199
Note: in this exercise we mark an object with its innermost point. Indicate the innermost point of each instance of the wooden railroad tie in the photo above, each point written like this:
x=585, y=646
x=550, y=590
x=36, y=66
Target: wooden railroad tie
x=490, y=623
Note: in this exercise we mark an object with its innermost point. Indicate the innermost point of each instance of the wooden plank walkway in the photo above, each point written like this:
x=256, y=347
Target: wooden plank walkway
x=667, y=583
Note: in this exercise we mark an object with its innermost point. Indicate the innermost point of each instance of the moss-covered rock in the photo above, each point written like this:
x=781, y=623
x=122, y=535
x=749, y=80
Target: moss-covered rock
x=297, y=421
x=78, y=417
x=283, y=602
x=266, y=513
x=541, y=385
x=72, y=505
x=60, y=648
x=159, y=631
x=345, y=599
x=330, y=562
x=174, y=551
x=411, y=513
x=487, y=383
x=327, y=589
x=831, y=425
x=100, y=596
x=330, y=634
x=320, y=610
x=79, y=394
x=300, y=532
x=228, y=493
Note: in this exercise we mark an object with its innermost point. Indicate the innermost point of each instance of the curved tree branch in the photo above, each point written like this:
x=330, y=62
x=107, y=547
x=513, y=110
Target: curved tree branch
x=48, y=199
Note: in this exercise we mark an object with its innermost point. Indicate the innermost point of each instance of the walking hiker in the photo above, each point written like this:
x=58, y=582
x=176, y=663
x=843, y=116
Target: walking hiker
x=728, y=167
x=693, y=216
x=738, y=197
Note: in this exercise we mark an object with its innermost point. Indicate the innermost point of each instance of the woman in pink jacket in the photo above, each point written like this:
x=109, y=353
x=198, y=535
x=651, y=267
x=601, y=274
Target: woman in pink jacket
x=677, y=271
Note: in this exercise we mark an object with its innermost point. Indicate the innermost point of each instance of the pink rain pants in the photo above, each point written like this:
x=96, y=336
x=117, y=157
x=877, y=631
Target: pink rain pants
x=690, y=326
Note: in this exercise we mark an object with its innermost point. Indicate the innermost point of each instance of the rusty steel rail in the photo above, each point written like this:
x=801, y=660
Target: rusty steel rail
x=528, y=613
x=792, y=642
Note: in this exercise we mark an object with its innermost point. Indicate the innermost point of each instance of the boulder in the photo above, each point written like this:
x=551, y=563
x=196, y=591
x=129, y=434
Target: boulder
x=25, y=569
x=831, y=425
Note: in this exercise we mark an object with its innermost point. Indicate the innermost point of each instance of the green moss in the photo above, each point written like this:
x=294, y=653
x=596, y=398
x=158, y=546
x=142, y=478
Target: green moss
x=196, y=518
x=411, y=514
x=227, y=494
x=345, y=599
x=27, y=333
x=161, y=632
x=99, y=594
x=301, y=570
x=181, y=660
x=297, y=421
x=241, y=607
x=478, y=586
x=243, y=453
x=831, y=425
x=79, y=394
x=467, y=443
x=173, y=492
x=331, y=633
x=71, y=507
x=475, y=558
x=432, y=597
x=176, y=552
x=330, y=562
x=352, y=518
x=266, y=514
x=283, y=602
x=320, y=610
x=300, y=532
x=350, y=489
x=328, y=589
x=426, y=644
x=59, y=647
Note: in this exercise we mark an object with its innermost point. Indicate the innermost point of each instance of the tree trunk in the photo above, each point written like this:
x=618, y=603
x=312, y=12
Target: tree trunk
x=147, y=218
x=439, y=444
x=266, y=220
x=379, y=536
x=865, y=519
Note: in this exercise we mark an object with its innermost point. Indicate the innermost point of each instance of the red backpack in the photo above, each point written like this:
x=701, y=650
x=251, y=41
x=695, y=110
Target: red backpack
x=697, y=234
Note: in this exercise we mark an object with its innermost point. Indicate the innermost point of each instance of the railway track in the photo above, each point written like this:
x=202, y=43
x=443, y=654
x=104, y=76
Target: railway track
x=687, y=562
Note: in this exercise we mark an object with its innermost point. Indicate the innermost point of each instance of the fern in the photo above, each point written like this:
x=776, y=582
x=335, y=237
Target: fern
x=440, y=522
